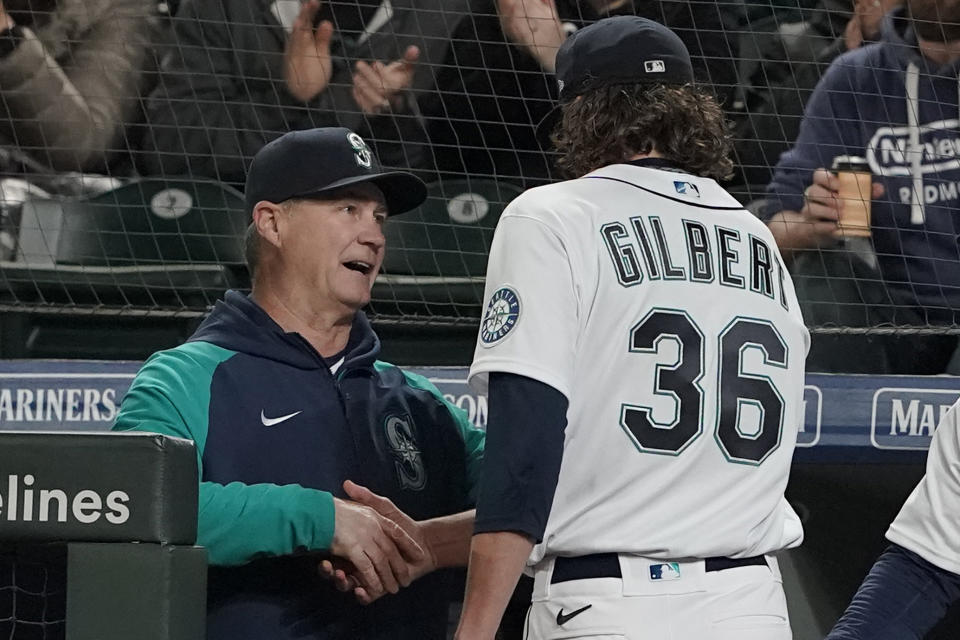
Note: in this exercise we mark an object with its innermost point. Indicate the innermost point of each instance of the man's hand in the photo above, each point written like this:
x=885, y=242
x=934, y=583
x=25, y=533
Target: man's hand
x=380, y=551
x=347, y=578
x=534, y=26
x=307, y=66
x=386, y=508
x=377, y=86
x=6, y=22
x=816, y=222
x=853, y=32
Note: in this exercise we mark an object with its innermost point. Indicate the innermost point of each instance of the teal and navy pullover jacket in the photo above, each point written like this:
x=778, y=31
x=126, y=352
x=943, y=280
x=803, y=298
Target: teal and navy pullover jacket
x=277, y=434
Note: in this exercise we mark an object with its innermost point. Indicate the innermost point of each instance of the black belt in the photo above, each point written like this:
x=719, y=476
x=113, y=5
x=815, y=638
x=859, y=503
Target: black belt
x=607, y=565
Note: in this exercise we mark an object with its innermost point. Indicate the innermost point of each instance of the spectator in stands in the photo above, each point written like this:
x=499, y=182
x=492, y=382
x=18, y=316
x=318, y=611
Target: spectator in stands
x=497, y=82
x=284, y=396
x=243, y=72
x=913, y=583
x=780, y=70
x=71, y=72
x=894, y=103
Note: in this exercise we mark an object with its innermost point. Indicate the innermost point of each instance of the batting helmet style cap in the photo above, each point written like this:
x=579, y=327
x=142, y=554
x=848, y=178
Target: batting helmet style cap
x=618, y=50
x=313, y=162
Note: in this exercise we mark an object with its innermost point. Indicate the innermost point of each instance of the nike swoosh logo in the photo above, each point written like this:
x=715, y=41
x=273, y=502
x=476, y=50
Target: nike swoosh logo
x=563, y=618
x=269, y=422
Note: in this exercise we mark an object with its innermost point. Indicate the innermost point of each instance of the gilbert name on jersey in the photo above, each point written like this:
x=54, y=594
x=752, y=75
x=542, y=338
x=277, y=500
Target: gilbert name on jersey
x=710, y=252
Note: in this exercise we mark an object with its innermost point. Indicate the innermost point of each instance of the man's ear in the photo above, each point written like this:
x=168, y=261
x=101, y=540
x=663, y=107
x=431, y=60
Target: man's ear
x=267, y=217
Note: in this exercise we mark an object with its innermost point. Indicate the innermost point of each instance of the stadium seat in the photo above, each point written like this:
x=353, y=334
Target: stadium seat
x=152, y=243
x=123, y=273
x=436, y=256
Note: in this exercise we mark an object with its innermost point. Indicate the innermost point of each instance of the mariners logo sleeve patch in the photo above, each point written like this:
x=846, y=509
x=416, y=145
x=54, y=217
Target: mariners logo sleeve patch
x=501, y=316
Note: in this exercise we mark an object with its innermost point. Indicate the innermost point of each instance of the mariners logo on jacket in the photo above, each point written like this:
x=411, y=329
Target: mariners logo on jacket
x=409, y=461
x=501, y=316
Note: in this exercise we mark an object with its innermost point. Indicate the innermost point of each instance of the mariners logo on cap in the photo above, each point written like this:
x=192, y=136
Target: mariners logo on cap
x=363, y=154
x=501, y=316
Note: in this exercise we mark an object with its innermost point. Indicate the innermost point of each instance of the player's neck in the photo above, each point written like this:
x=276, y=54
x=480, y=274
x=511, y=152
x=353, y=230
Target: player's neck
x=653, y=153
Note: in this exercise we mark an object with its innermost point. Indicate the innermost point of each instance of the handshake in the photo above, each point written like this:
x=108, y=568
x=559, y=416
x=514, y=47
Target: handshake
x=308, y=66
x=376, y=548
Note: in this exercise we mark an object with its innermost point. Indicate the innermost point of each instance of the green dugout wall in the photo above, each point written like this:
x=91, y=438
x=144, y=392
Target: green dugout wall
x=97, y=534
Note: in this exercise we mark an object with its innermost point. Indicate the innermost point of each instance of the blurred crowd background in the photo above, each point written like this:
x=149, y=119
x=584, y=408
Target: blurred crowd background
x=127, y=126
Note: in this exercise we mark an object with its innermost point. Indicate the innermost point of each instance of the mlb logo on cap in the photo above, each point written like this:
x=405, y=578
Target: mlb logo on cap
x=621, y=50
x=654, y=66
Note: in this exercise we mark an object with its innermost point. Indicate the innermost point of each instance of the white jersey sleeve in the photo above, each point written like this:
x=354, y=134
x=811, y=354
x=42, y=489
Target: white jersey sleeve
x=527, y=327
x=929, y=522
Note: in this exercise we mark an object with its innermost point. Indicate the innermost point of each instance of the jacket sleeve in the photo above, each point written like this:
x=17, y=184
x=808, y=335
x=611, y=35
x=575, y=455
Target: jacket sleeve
x=902, y=598
x=214, y=108
x=473, y=437
x=69, y=113
x=236, y=522
x=828, y=129
x=474, y=440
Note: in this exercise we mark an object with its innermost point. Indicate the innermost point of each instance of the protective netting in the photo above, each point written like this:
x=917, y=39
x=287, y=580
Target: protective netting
x=33, y=591
x=127, y=127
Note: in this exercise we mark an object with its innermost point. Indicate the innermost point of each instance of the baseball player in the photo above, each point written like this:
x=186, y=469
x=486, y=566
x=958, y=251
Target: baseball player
x=917, y=578
x=644, y=353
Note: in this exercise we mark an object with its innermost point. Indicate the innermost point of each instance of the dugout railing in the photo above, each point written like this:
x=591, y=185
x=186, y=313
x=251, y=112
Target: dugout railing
x=97, y=534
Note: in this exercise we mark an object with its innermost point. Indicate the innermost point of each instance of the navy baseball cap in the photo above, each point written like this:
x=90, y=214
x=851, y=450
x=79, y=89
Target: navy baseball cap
x=617, y=50
x=312, y=162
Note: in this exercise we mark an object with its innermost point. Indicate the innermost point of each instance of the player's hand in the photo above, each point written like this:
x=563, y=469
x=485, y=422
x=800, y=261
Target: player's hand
x=386, y=508
x=307, y=64
x=377, y=87
x=344, y=576
x=534, y=26
x=380, y=551
x=816, y=223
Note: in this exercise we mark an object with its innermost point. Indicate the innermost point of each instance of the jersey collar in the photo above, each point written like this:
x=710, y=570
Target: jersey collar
x=655, y=163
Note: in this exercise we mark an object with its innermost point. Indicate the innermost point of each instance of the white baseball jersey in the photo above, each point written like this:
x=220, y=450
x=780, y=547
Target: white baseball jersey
x=663, y=311
x=929, y=522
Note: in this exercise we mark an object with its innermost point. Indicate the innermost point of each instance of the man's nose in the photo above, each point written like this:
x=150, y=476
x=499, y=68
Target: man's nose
x=372, y=234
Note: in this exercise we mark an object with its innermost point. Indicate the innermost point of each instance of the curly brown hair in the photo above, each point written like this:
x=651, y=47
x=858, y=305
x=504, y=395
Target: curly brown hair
x=609, y=124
